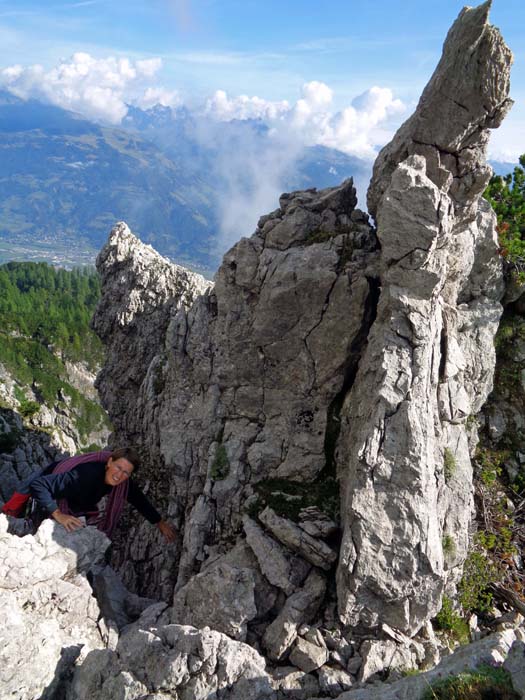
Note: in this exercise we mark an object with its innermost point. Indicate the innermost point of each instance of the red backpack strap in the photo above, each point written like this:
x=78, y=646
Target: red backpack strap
x=16, y=504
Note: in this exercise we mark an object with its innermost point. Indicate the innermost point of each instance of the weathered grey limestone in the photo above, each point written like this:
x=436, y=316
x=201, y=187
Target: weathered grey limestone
x=241, y=556
x=221, y=597
x=294, y=684
x=386, y=655
x=175, y=661
x=316, y=523
x=278, y=566
x=491, y=650
x=298, y=540
x=308, y=655
x=225, y=390
x=237, y=387
x=49, y=616
x=334, y=681
x=141, y=291
x=116, y=603
x=300, y=607
x=34, y=450
x=515, y=665
x=403, y=454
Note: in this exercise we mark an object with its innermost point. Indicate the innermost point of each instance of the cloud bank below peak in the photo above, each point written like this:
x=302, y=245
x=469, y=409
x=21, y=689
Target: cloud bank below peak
x=356, y=130
x=102, y=88
x=96, y=88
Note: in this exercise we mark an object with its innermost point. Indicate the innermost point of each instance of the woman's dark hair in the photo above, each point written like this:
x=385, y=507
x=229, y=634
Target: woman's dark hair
x=127, y=453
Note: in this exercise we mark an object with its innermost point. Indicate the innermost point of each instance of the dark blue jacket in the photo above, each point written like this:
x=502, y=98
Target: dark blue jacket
x=82, y=487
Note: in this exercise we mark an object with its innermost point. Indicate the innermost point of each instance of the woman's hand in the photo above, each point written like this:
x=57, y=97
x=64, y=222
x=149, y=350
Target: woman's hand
x=68, y=521
x=169, y=533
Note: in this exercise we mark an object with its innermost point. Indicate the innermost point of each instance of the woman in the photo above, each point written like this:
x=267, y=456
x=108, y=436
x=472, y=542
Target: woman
x=73, y=488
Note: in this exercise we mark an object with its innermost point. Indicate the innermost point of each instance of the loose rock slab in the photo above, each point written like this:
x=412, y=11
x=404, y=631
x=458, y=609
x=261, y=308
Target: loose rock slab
x=300, y=607
x=280, y=568
x=221, y=598
x=295, y=538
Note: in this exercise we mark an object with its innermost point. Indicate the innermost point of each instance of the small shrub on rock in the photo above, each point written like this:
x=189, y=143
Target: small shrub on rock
x=221, y=465
x=28, y=409
x=451, y=622
x=449, y=464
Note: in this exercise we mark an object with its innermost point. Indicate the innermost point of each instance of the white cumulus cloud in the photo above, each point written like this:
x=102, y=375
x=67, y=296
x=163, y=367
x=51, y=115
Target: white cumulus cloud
x=224, y=108
x=158, y=96
x=96, y=87
x=357, y=130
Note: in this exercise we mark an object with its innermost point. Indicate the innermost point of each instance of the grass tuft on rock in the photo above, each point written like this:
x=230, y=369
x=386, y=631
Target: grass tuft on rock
x=220, y=467
x=449, y=464
x=485, y=683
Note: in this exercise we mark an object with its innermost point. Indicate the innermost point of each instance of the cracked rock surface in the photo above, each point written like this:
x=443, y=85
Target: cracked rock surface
x=49, y=616
x=325, y=348
x=403, y=457
x=236, y=388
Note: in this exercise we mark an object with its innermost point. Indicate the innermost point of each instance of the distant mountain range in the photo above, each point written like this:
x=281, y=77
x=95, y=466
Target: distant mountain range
x=189, y=186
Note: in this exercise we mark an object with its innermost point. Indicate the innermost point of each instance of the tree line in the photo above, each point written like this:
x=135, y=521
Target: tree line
x=52, y=307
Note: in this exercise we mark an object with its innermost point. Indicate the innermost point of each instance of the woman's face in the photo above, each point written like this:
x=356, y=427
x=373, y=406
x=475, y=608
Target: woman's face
x=117, y=471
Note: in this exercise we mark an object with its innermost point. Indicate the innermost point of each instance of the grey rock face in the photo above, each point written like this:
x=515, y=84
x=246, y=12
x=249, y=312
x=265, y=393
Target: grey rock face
x=278, y=566
x=221, y=598
x=316, y=523
x=295, y=538
x=49, y=614
x=316, y=351
x=466, y=95
x=333, y=681
x=515, y=665
x=378, y=656
x=295, y=684
x=236, y=388
x=175, y=661
x=403, y=454
x=33, y=451
x=307, y=655
x=491, y=650
x=141, y=292
x=299, y=608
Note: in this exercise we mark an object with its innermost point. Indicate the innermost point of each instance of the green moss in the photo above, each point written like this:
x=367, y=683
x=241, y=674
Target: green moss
x=345, y=256
x=448, y=544
x=88, y=416
x=220, y=467
x=449, y=464
x=288, y=498
x=451, y=622
x=158, y=382
x=93, y=447
x=485, y=683
x=19, y=394
x=409, y=672
x=518, y=485
x=471, y=421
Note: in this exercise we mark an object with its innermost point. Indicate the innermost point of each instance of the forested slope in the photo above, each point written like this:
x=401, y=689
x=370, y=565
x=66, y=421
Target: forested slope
x=48, y=352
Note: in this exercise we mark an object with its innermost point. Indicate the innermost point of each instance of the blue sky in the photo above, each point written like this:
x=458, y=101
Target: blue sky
x=257, y=48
